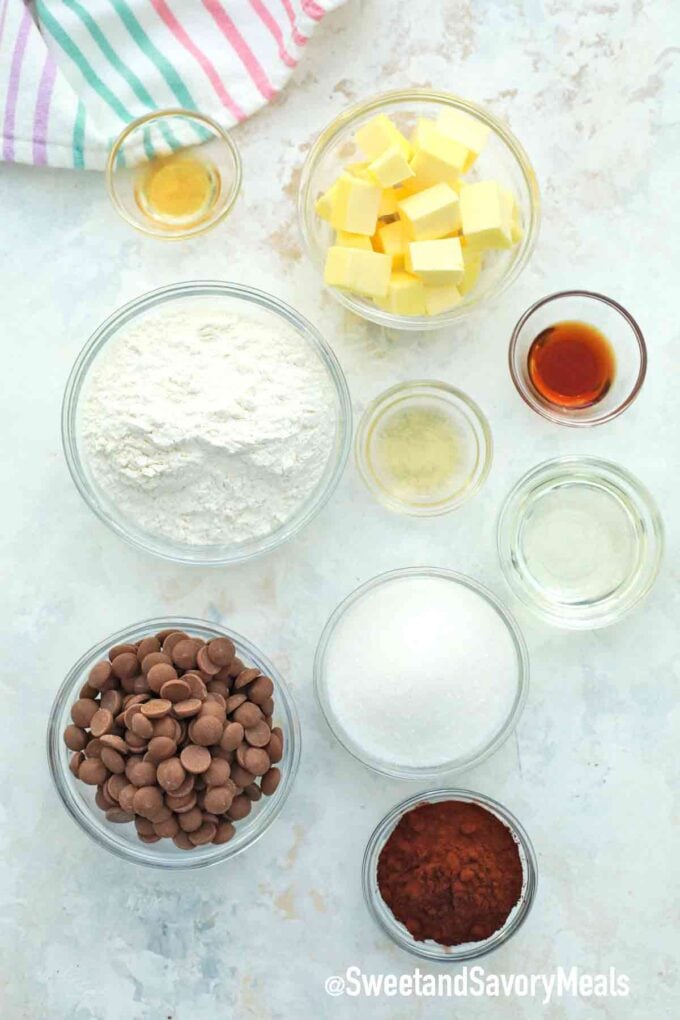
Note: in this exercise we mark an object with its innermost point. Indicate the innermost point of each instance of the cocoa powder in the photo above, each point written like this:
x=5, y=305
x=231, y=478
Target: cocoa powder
x=450, y=872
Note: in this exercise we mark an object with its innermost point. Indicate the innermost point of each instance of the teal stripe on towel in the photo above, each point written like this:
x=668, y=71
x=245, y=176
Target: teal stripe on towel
x=70, y=48
x=79, y=138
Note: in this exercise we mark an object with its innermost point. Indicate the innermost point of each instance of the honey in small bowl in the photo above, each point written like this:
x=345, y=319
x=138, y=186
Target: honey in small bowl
x=179, y=189
x=571, y=364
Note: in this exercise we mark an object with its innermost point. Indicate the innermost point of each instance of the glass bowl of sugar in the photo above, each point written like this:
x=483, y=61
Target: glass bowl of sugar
x=448, y=669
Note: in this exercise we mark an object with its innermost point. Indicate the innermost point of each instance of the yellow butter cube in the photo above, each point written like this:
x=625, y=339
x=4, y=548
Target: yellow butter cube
x=392, y=240
x=347, y=240
x=364, y=272
x=512, y=214
x=391, y=167
x=405, y=296
x=485, y=215
x=472, y=269
x=355, y=205
x=436, y=157
x=358, y=170
x=466, y=130
x=324, y=203
x=388, y=201
x=441, y=299
x=431, y=214
x=379, y=134
x=436, y=263
x=413, y=185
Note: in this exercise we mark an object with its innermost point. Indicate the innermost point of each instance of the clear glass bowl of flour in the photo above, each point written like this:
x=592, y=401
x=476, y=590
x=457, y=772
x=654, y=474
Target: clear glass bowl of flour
x=421, y=672
x=194, y=466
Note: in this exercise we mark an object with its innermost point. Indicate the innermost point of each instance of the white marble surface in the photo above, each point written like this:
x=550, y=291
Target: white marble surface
x=592, y=772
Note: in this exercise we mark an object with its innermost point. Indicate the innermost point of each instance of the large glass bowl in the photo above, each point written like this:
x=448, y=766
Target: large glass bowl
x=398, y=770
x=122, y=840
x=429, y=950
x=252, y=304
x=503, y=158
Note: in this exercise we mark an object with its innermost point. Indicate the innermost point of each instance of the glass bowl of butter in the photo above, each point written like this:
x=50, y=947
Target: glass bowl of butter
x=173, y=174
x=418, y=206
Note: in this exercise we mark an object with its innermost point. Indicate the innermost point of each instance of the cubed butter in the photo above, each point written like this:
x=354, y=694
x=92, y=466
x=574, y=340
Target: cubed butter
x=347, y=240
x=436, y=157
x=355, y=205
x=391, y=239
x=364, y=272
x=431, y=214
x=324, y=203
x=441, y=299
x=378, y=134
x=390, y=167
x=405, y=295
x=466, y=130
x=436, y=263
x=472, y=262
x=388, y=201
x=485, y=215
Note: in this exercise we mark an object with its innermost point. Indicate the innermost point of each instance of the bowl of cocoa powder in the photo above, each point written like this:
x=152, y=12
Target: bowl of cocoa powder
x=449, y=875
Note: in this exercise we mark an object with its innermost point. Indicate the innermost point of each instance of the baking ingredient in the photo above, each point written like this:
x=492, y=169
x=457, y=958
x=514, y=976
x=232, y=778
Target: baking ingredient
x=571, y=364
x=206, y=426
x=355, y=205
x=579, y=543
x=418, y=450
x=436, y=157
x=468, y=131
x=431, y=213
x=405, y=295
x=420, y=671
x=364, y=272
x=408, y=191
x=451, y=871
x=486, y=211
x=436, y=263
x=347, y=240
x=177, y=189
x=173, y=746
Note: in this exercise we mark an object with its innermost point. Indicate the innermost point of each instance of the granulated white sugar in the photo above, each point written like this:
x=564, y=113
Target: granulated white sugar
x=421, y=671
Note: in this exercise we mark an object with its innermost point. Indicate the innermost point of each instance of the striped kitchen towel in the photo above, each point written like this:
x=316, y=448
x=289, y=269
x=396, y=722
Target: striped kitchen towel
x=74, y=72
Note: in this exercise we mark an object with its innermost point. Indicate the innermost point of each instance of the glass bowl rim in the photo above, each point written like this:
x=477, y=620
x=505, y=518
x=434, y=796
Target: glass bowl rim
x=445, y=98
x=386, y=920
x=470, y=410
x=81, y=815
x=416, y=773
x=564, y=418
x=107, y=331
x=211, y=220
x=644, y=503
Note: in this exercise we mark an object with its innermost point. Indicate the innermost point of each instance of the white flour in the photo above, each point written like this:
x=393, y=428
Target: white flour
x=204, y=427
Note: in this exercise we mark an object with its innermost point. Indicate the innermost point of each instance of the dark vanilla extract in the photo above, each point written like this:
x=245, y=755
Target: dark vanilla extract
x=571, y=364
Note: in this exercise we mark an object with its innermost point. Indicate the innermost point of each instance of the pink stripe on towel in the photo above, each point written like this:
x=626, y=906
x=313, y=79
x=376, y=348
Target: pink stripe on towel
x=240, y=47
x=298, y=37
x=270, y=22
x=42, y=110
x=166, y=15
x=313, y=10
x=13, y=87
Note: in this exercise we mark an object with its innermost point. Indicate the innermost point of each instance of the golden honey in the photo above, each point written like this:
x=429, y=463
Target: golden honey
x=177, y=189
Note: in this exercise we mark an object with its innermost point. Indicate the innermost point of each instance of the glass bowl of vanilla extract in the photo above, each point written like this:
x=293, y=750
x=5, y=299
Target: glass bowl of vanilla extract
x=578, y=358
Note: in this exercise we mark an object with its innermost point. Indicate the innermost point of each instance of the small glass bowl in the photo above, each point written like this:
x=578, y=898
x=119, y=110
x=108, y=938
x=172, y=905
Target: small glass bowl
x=122, y=840
x=472, y=428
x=503, y=159
x=250, y=303
x=611, y=319
x=158, y=135
x=626, y=498
x=430, y=950
x=397, y=770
